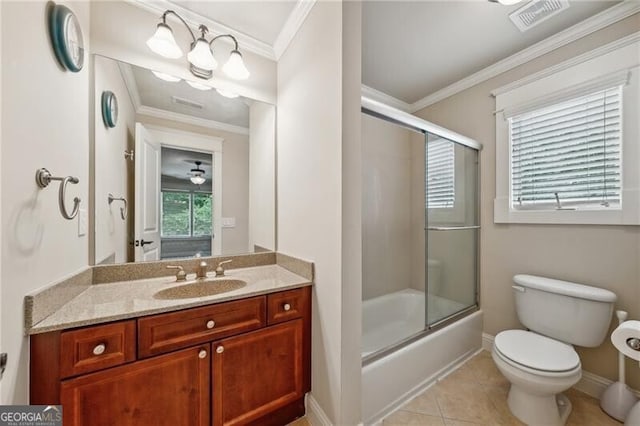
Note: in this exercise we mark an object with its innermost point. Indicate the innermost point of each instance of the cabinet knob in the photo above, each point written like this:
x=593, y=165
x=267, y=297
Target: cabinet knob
x=99, y=349
x=287, y=307
x=220, y=349
x=211, y=324
x=202, y=354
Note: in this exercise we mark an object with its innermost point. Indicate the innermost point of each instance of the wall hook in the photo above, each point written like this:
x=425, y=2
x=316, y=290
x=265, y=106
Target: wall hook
x=129, y=155
x=44, y=178
x=123, y=210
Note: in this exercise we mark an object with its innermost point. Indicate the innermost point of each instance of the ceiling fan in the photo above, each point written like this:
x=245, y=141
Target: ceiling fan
x=197, y=174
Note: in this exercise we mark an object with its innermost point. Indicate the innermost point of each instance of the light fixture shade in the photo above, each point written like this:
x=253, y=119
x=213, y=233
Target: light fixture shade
x=508, y=2
x=163, y=43
x=201, y=56
x=198, y=180
x=166, y=77
x=227, y=93
x=198, y=86
x=235, y=68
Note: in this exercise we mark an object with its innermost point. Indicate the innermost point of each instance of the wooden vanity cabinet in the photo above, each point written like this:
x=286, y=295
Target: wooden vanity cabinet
x=254, y=370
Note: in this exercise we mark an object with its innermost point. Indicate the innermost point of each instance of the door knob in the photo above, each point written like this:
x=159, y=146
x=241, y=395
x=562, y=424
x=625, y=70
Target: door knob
x=143, y=242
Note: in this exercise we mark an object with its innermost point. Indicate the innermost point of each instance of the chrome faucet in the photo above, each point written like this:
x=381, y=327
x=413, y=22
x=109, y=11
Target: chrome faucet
x=201, y=272
x=220, y=269
x=180, y=275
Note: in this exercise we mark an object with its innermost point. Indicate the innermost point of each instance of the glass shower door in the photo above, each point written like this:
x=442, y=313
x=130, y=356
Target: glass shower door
x=452, y=231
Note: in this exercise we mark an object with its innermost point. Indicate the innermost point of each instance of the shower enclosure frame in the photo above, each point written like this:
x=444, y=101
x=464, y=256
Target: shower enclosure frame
x=382, y=111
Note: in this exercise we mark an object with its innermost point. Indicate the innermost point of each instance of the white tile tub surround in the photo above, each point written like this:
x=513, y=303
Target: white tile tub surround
x=390, y=318
x=393, y=380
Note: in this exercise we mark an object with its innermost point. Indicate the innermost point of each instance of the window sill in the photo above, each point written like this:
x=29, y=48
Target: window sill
x=502, y=213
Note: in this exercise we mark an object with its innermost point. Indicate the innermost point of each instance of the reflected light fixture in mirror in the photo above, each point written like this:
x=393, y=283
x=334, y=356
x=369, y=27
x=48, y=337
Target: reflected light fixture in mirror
x=166, y=77
x=227, y=93
x=198, y=86
x=200, y=56
x=197, y=175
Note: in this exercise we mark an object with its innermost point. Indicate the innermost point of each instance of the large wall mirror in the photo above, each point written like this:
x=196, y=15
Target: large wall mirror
x=186, y=170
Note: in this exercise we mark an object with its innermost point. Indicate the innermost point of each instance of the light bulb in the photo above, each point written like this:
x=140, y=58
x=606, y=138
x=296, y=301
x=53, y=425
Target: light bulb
x=227, y=93
x=166, y=77
x=235, y=68
x=198, y=180
x=201, y=56
x=163, y=43
x=198, y=86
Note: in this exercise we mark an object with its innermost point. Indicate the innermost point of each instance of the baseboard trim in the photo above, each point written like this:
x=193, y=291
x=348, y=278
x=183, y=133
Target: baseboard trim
x=315, y=414
x=591, y=384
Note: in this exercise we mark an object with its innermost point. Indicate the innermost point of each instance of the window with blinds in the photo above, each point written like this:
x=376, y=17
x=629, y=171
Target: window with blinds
x=568, y=155
x=440, y=185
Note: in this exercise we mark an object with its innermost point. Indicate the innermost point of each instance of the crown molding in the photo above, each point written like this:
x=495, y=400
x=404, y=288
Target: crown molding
x=216, y=28
x=599, y=51
x=132, y=87
x=376, y=95
x=187, y=119
x=290, y=29
x=590, y=25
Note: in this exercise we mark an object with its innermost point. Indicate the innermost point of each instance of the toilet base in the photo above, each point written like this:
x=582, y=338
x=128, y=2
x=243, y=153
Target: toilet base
x=549, y=410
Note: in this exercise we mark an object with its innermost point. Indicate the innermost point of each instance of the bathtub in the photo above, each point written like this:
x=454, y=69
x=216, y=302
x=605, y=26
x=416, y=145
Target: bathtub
x=390, y=381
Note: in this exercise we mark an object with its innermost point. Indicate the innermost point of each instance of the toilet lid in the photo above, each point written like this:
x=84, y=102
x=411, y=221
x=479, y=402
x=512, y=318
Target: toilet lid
x=536, y=351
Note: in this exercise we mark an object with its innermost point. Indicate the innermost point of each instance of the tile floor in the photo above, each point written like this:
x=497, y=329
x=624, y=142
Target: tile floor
x=476, y=394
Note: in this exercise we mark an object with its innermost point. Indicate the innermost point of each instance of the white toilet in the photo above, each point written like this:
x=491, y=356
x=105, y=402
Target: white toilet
x=540, y=363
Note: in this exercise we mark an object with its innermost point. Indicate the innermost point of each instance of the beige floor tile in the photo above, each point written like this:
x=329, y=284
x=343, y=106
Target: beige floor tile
x=485, y=371
x=467, y=401
x=302, y=421
x=586, y=411
x=409, y=418
x=424, y=403
x=454, y=422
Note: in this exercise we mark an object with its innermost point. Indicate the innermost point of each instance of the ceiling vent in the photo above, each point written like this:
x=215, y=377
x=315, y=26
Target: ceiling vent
x=187, y=102
x=537, y=11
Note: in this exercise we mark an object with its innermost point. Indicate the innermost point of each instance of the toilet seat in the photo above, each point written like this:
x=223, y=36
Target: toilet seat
x=536, y=354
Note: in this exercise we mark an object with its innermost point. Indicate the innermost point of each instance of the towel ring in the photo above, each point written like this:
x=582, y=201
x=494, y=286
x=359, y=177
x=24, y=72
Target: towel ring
x=44, y=178
x=123, y=210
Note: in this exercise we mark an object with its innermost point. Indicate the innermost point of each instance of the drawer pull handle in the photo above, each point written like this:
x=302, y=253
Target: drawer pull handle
x=202, y=354
x=287, y=307
x=99, y=349
x=220, y=349
x=211, y=324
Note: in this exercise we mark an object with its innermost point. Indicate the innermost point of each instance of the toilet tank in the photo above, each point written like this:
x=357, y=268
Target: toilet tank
x=572, y=313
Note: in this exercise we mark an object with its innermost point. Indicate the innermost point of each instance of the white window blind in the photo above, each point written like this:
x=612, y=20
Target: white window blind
x=568, y=154
x=440, y=185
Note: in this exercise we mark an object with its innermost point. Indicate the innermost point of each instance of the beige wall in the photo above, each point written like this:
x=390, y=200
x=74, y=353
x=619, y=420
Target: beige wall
x=111, y=168
x=262, y=175
x=235, y=180
x=309, y=174
x=603, y=256
x=387, y=204
x=45, y=116
x=119, y=30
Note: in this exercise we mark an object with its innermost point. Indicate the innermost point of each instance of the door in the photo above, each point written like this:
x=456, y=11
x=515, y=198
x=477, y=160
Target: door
x=167, y=390
x=147, y=196
x=257, y=373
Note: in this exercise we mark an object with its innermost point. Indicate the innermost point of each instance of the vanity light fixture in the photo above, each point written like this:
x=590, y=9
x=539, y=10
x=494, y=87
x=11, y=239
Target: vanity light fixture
x=198, y=86
x=197, y=174
x=227, y=93
x=166, y=77
x=200, y=57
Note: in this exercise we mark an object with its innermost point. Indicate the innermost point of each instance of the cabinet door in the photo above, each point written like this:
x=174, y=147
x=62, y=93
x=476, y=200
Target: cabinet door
x=257, y=373
x=169, y=390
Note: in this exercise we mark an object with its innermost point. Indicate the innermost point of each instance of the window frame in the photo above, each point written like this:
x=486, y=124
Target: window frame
x=619, y=65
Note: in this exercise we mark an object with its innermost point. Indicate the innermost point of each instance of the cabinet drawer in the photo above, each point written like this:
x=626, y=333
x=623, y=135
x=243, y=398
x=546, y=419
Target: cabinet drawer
x=287, y=305
x=167, y=332
x=95, y=348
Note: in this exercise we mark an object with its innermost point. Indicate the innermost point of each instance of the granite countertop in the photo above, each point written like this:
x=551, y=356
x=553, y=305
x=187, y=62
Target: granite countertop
x=101, y=303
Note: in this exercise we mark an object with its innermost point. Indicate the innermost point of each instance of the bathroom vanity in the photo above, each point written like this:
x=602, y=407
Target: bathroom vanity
x=240, y=357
